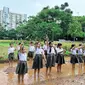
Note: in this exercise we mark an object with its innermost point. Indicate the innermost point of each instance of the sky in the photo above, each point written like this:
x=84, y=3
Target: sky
x=32, y=7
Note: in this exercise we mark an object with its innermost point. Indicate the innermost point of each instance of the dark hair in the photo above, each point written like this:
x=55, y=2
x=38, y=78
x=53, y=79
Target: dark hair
x=59, y=44
x=31, y=42
x=50, y=46
x=72, y=46
x=19, y=44
x=22, y=48
x=50, y=43
x=11, y=43
x=80, y=44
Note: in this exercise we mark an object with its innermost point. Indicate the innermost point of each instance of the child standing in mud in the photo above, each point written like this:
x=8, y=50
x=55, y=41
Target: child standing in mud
x=80, y=55
x=22, y=68
x=50, y=58
x=38, y=59
x=11, y=50
x=75, y=58
x=60, y=57
x=31, y=50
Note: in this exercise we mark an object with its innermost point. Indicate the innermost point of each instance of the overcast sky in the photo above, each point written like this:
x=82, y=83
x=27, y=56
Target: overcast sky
x=32, y=7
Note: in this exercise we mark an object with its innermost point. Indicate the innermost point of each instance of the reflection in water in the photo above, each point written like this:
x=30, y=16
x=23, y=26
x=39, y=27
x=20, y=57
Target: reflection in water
x=29, y=77
x=10, y=78
x=73, y=72
x=84, y=68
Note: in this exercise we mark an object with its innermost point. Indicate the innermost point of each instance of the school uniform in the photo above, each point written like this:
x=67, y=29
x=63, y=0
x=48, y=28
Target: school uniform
x=50, y=57
x=80, y=54
x=45, y=50
x=60, y=56
x=31, y=51
x=11, y=53
x=22, y=64
x=84, y=56
x=74, y=58
x=38, y=59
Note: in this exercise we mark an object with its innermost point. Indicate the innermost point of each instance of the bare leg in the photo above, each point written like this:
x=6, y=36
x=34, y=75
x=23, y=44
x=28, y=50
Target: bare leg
x=46, y=71
x=73, y=69
x=34, y=73
x=50, y=70
x=73, y=66
x=22, y=77
x=38, y=72
x=58, y=68
x=18, y=78
x=80, y=65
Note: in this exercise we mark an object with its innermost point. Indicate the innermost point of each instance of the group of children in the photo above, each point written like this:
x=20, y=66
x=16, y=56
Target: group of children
x=49, y=54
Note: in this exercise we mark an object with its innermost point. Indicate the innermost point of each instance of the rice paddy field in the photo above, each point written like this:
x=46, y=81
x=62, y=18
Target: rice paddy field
x=4, y=44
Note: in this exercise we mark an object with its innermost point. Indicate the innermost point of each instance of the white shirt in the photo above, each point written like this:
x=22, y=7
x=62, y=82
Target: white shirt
x=32, y=48
x=11, y=50
x=80, y=51
x=45, y=47
x=74, y=51
x=84, y=53
x=52, y=50
x=59, y=50
x=18, y=48
x=22, y=56
x=39, y=51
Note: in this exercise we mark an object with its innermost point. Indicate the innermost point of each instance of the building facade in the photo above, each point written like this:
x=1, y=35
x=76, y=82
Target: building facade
x=11, y=20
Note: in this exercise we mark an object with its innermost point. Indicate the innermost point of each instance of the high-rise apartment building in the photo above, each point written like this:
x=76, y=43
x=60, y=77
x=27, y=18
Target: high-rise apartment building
x=11, y=20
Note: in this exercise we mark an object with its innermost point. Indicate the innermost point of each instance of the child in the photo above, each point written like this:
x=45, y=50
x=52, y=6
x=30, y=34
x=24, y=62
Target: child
x=11, y=50
x=22, y=69
x=38, y=59
x=60, y=57
x=74, y=58
x=80, y=54
x=50, y=58
x=31, y=50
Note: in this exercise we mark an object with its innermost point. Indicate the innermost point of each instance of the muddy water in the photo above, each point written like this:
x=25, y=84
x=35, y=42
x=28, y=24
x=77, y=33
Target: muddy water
x=9, y=77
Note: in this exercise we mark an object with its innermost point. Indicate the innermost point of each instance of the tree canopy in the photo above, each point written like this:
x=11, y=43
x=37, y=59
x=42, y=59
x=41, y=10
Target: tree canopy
x=55, y=23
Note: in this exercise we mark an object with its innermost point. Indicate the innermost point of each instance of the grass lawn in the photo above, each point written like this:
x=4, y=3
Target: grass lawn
x=4, y=44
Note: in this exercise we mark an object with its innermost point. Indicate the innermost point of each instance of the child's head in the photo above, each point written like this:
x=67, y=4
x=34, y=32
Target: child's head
x=50, y=43
x=11, y=44
x=23, y=50
x=19, y=44
x=80, y=44
x=59, y=45
x=31, y=43
x=38, y=45
x=45, y=42
x=72, y=46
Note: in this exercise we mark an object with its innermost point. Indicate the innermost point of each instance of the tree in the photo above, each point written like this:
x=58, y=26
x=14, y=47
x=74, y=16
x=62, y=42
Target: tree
x=1, y=27
x=75, y=29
